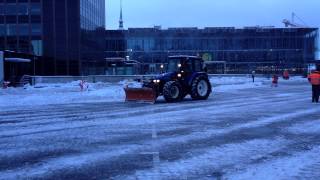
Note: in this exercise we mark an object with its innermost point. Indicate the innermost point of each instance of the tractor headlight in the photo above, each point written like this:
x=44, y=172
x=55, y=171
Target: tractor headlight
x=156, y=81
x=179, y=75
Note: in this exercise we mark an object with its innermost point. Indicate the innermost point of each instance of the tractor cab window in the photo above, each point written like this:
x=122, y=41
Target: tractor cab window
x=174, y=65
x=197, y=66
x=186, y=66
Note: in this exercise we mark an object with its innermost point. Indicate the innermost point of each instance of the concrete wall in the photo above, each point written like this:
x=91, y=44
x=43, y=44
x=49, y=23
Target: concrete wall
x=56, y=79
x=114, y=79
x=109, y=78
x=92, y=79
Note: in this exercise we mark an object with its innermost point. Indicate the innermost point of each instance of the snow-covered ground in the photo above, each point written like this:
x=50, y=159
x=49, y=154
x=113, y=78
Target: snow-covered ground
x=244, y=131
x=44, y=94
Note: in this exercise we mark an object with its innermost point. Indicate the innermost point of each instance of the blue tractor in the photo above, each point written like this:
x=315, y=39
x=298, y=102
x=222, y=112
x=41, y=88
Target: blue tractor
x=185, y=75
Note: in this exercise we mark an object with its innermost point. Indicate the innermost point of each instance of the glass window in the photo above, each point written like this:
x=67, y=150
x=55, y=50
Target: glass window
x=187, y=66
x=37, y=47
x=2, y=45
x=11, y=30
x=11, y=9
x=35, y=19
x=2, y=30
x=173, y=65
x=36, y=29
x=12, y=43
x=11, y=19
x=35, y=9
x=1, y=9
x=23, y=19
x=197, y=65
x=23, y=29
x=23, y=9
x=24, y=44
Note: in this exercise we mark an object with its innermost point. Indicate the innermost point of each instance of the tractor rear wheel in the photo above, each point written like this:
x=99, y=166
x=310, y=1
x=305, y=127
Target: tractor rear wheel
x=172, y=91
x=201, y=88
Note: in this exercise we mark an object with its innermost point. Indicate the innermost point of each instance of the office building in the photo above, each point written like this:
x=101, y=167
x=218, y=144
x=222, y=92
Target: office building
x=64, y=35
x=264, y=49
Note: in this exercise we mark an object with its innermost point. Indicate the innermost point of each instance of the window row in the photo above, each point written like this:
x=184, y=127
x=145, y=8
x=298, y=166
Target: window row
x=10, y=19
x=26, y=45
x=20, y=9
x=216, y=44
x=20, y=30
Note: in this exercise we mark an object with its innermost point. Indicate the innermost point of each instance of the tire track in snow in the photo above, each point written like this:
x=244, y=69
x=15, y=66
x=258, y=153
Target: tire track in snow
x=45, y=131
x=101, y=119
x=213, y=160
x=162, y=142
x=78, y=116
x=310, y=127
x=298, y=166
x=180, y=168
x=83, y=110
x=115, y=141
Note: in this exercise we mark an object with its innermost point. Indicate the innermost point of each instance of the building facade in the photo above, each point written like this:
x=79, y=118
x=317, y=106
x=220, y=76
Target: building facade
x=65, y=35
x=237, y=50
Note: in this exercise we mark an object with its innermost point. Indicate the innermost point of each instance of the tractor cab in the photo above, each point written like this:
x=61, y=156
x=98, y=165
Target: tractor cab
x=181, y=68
x=185, y=63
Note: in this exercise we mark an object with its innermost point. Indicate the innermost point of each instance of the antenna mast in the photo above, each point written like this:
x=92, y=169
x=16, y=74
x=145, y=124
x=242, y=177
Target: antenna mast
x=121, y=18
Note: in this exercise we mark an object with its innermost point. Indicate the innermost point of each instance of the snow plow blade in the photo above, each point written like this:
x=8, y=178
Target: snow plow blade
x=140, y=95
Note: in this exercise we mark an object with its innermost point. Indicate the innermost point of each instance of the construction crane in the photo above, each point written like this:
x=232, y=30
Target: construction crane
x=292, y=23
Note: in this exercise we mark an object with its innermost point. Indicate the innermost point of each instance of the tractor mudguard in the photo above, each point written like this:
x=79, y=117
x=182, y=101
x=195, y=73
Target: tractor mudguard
x=194, y=75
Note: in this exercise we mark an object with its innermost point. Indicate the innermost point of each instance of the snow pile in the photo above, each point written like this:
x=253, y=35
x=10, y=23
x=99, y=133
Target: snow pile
x=227, y=80
x=299, y=79
x=43, y=94
x=228, y=83
x=223, y=84
x=130, y=83
x=234, y=87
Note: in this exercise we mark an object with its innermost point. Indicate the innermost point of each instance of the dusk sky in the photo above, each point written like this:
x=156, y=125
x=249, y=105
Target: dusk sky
x=203, y=13
x=206, y=13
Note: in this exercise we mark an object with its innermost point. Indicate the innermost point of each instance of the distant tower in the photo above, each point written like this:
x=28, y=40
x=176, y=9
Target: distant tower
x=121, y=20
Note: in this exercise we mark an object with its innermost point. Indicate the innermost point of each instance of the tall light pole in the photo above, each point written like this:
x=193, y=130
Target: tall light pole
x=34, y=65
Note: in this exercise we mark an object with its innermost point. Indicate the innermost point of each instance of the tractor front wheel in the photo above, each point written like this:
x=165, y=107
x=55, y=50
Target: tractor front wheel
x=201, y=88
x=172, y=91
